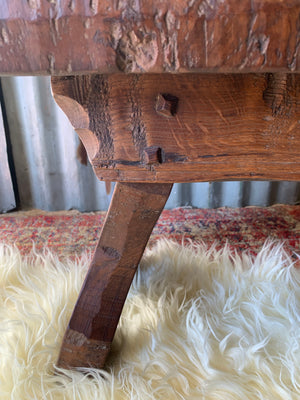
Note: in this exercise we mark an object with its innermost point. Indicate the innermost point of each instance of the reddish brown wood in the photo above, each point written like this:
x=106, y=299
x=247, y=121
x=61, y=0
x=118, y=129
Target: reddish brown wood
x=132, y=215
x=221, y=127
x=162, y=127
x=104, y=36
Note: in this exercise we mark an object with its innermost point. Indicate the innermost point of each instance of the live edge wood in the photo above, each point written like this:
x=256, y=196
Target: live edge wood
x=132, y=215
x=104, y=36
x=186, y=127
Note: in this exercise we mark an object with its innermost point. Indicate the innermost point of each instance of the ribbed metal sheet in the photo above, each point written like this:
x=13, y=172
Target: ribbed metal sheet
x=50, y=177
x=7, y=197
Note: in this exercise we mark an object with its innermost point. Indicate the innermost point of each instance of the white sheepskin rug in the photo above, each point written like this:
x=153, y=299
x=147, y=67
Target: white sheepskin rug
x=197, y=324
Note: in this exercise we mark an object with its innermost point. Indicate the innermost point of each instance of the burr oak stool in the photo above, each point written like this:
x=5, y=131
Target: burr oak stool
x=159, y=92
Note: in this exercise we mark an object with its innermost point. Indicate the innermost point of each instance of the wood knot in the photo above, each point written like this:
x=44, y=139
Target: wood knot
x=137, y=52
x=110, y=252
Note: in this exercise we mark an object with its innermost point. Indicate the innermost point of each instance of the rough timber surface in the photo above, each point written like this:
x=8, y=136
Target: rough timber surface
x=104, y=36
x=186, y=127
x=131, y=217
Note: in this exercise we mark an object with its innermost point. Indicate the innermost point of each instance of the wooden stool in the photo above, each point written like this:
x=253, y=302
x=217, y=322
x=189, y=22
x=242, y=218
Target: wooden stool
x=158, y=93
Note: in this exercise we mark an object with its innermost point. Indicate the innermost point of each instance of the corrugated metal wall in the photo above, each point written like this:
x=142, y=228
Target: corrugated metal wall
x=44, y=146
x=7, y=197
x=50, y=177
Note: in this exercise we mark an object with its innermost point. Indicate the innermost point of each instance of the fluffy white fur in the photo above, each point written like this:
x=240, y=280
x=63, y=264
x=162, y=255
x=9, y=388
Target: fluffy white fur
x=197, y=324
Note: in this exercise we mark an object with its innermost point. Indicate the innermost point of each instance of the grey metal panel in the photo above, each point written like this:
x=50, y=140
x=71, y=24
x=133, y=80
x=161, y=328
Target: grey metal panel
x=266, y=193
x=7, y=197
x=287, y=191
x=234, y=194
x=50, y=177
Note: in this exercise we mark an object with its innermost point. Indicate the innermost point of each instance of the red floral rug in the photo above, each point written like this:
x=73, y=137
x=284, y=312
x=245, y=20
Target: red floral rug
x=71, y=233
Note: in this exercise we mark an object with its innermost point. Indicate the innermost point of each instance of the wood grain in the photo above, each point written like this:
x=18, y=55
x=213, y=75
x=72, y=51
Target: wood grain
x=68, y=37
x=224, y=126
x=131, y=217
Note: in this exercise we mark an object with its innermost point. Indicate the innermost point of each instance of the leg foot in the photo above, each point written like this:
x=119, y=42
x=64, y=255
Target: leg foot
x=133, y=212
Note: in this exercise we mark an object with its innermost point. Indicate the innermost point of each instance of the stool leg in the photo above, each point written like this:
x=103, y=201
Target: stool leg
x=134, y=210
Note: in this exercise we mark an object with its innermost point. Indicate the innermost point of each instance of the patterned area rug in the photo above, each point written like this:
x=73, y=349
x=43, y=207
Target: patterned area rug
x=71, y=233
x=202, y=324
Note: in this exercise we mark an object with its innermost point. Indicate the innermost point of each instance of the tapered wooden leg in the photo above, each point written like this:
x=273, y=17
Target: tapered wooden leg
x=133, y=212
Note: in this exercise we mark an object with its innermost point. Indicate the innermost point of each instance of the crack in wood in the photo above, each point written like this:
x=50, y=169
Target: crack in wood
x=100, y=118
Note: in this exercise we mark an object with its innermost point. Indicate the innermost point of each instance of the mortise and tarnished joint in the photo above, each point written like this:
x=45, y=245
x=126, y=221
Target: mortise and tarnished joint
x=166, y=104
